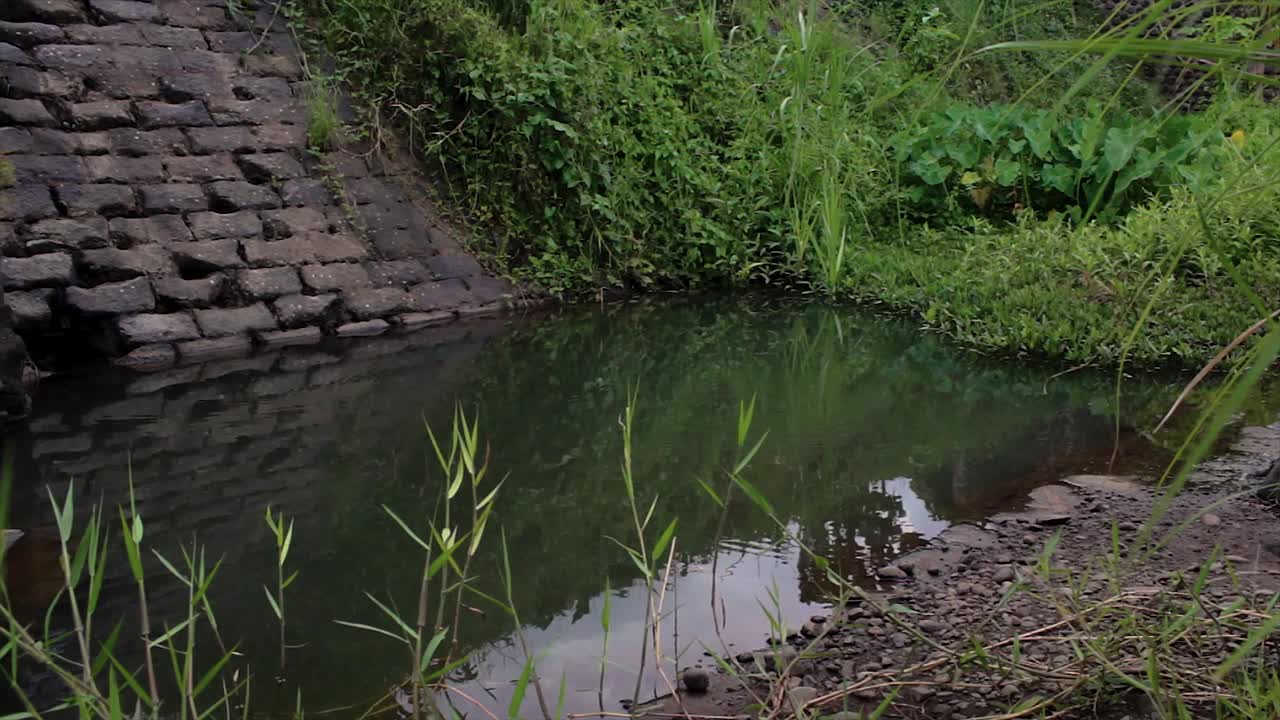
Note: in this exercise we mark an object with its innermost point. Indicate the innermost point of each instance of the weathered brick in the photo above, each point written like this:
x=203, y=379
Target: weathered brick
x=135, y=143
x=122, y=84
x=59, y=234
x=223, y=139
x=366, y=328
x=233, y=111
x=152, y=114
x=231, y=196
x=442, y=295
x=290, y=251
x=201, y=292
x=25, y=112
x=306, y=191
x=267, y=283
x=150, y=328
x=336, y=247
x=14, y=141
x=202, y=168
x=30, y=34
x=101, y=200
x=205, y=256
x=265, y=88
x=293, y=221
x=149, y=358
x=371, y=303
x=49, y=270
x=113, y=298
x=73, y=57
x=118, y=34
x=56, y=142
x=119, y=11
x=47, y=11
x=30, y=169
x=268, y=167
x=213, y=225
x=100, y=115
x=298, y=310
x=113, y=168
x=114, y=265
x=234, y=41
x=34, y=83
x=205, y=61
x=27, y=202
x=337, y=276
x=128, y=232
x=30, y=308
x=152, y=61
x=195, y=86
x=195, y=14
x=173, y=197
x=397, y=273
x=290, y=338
x=217, y=322
x=281, y=137
x=274, y=65
x=167, y=36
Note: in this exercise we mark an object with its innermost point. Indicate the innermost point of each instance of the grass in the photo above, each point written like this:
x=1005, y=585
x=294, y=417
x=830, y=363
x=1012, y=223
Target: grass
x=658, y=144
x=324, y=125
x=7, y=177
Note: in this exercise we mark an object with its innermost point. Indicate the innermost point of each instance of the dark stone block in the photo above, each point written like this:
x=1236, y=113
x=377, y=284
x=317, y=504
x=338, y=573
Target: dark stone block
x=223, y=139
x=206, y=349
x=118, y=34
x=231, y=196
x=33, y=83
x=336, y=247
x=123, y=84
x=442, y=295
x=454, y=266
x=338, y=276
x=150, y=61
x=202, y=168
x=101, y=200
x=113, y=298
x=306, y=191
x=266, y=167
x=255, y=88
x=293, y=221
x=121, y=11
x=233, y=111
x=172, y=198
x=165, y=36
x=73, y=57
x=151, y=328
x=56, y=142
x=25, y=112
x=196, y=14
x=281, y=137
x=290, y=251
x=298, y=310
x=114, y=265
x=235, y=321
x=489, y=289
x=189, y=293
x=50, y=270
x=283, y=66
x=290, y=338
x=376, y=302
x=367, y=328
x=235, y=41
x=397, y=273
x=399, y=243
x=149, y=357
x=30, y=308
x=45, y=11
x=27, y=202
x=58, y=234
x=40, y=169
x=268, y=283
x=152, y=115
x=206, y=256
x=30, y=34
x=363, y=191
x=14, y=141
x=112, y=168
x=213, y=226
x=101, y=115
x=136, y=143
x=162, y=229
x=188, y=87
x=11, y=54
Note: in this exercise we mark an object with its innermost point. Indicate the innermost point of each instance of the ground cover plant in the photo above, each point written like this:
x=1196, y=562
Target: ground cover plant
x=870, y=150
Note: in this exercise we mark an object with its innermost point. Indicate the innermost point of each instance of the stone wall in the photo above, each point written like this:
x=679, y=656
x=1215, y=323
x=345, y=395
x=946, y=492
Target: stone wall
x=13, y=359
x=167, y=207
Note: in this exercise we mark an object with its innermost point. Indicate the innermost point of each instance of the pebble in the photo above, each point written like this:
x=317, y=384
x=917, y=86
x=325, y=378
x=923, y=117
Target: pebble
x=1128, y=526
x=1004, y=573
x=1210, y=519
x=892, y=572
x=696, y=680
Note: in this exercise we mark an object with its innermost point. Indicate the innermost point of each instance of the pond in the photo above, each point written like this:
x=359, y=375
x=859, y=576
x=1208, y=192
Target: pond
x=879, y=437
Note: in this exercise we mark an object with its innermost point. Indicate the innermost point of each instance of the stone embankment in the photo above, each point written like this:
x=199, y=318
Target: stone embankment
x=165, y=205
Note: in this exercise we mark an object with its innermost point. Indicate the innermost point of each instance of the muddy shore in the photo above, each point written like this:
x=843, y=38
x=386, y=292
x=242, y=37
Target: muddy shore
x=1034, y=612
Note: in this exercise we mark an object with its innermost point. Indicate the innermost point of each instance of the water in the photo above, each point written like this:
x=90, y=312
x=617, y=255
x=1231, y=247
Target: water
x=879, y=437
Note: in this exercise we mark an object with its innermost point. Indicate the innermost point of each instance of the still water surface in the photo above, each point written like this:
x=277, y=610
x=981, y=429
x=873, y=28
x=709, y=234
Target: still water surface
x=879, y=437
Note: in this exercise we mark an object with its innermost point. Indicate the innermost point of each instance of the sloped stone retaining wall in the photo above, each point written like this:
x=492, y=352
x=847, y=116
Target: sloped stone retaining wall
x=166, y=206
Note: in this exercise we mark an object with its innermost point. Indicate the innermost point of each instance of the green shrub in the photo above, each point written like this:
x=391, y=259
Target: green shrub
x=1001, y=158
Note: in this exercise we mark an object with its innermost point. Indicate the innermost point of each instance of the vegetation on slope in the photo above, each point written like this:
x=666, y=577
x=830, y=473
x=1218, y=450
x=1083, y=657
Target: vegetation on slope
x=1037, y=203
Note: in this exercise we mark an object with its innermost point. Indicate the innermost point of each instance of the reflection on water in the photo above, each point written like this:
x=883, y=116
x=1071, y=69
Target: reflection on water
x=878, y=438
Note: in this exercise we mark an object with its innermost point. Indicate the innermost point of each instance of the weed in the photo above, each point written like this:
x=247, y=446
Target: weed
x=324, y=126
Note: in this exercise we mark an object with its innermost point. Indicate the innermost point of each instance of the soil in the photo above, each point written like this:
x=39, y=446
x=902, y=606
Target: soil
x=1029, y=589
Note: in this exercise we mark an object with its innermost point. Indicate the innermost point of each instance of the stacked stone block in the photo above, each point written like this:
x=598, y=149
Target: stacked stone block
x=166, y=206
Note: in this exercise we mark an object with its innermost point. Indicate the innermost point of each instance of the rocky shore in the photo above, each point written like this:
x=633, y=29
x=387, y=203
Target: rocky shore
x=1040, y=612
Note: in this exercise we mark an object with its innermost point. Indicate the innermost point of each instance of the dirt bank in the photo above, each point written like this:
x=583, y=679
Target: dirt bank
x=1042, y=611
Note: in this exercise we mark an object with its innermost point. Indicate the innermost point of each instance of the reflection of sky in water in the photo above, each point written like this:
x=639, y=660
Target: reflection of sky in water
x=750, y=578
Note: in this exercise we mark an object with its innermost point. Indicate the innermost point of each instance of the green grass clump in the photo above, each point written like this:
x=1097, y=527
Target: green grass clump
x=661, y=144
x=324, y=126
x=7, y=176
